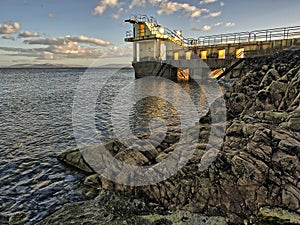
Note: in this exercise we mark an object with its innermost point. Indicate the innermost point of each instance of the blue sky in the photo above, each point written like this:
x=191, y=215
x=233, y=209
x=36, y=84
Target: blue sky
x=76, y=32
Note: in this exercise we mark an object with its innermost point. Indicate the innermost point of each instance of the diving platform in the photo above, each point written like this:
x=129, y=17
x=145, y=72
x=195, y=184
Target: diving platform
x=152, y=42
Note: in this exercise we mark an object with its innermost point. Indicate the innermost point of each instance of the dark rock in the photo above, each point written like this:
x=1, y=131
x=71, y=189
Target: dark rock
x=74, y=158
x=277, y=216
x=18, y=218
x=257, y=165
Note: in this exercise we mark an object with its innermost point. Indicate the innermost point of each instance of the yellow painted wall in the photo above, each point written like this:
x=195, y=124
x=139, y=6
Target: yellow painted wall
x=142, y=29
x=221, y=54
x=176, y=56
x=188, y=55
x=240, y=53
x=203, y=54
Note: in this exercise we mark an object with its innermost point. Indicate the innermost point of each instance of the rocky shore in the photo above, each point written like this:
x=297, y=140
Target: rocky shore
x=254, y=179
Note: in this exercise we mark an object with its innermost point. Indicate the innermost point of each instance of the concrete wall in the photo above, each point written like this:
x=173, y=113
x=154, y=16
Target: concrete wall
x=258, y=46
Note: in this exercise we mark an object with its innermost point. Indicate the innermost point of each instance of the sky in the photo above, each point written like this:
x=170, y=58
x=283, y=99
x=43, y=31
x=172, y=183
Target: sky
x=78, y=32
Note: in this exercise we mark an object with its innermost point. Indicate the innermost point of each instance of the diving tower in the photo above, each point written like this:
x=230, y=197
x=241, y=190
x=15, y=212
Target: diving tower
x=155, y=47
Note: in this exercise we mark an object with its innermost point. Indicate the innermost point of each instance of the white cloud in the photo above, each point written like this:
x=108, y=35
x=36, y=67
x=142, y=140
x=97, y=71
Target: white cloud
x=51, y=15
x=48, y=55
x=141, y=3
x=8, y=37
x=27, y=34
x=9, y=28
x=230, y=24
x=206, y=28
x=73, y=50
x=121, y=11
x=46, y=41
x=101, y=7
x=218, y=24
x=207, y=1
x=214, y=14
x=68, y=47
x=169, y=8
x=88, y=40
x=209, y=27
x=196, y=14
x=222, y=3
x=116, y=16
x=166, y=7
x=155, y=2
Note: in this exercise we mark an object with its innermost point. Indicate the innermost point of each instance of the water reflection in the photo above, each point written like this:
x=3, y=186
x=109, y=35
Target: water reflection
x=137, y=102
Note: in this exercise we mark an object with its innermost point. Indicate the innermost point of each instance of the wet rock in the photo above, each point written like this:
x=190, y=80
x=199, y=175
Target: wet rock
x=113, y=209
x=74, y=158
x=277, y=216
x=93, y=180
x=131, y=157
x=293, y=120
x=184, y=217
x=272, y=116
x=271, y=75
x=18, y=218
x=4, y=218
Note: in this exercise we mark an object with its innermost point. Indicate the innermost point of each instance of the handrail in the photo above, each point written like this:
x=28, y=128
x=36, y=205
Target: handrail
x=256, y=35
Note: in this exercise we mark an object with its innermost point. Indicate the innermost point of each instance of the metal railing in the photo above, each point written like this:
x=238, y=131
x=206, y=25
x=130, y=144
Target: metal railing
x=168, y=33
x=243, y=37
x=142, y=18
x=179, y=39
x=220, y=39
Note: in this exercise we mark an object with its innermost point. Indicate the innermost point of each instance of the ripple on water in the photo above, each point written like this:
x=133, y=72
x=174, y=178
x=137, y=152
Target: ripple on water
x=36, y=124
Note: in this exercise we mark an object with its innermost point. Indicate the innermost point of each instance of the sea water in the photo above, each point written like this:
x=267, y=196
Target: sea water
x=36, y=125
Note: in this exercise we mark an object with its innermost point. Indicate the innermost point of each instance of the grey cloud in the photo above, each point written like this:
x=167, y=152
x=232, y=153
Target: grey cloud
x=8, y=37
x=66, y=40
x=27, y=34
